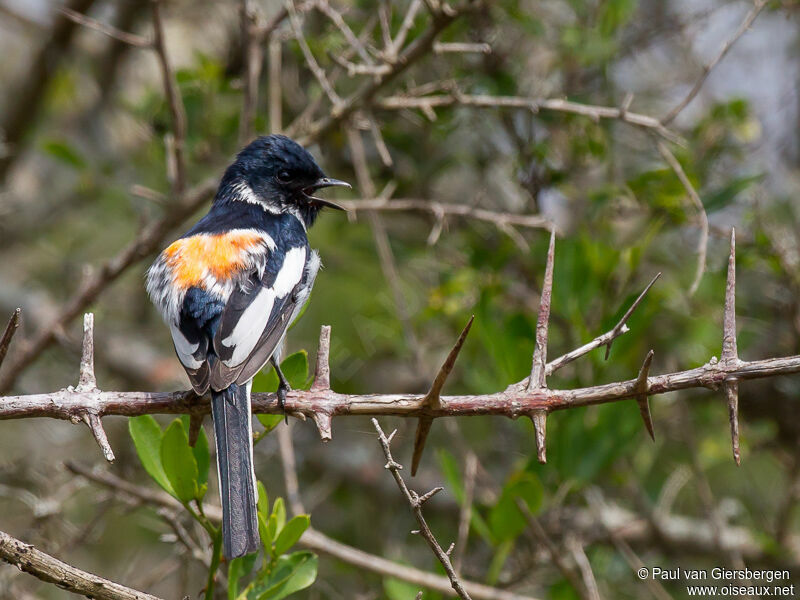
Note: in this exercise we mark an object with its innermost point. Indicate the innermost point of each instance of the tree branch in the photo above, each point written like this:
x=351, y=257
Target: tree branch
x=47, y=568
x=311, y=539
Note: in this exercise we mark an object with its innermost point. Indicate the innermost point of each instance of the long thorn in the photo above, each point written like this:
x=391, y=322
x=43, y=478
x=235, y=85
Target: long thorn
x=629, y=312
x=730, y=352
x=432, y=397
x=537, y=379
x=641, y=399
x=11, y=329
x=539, y=419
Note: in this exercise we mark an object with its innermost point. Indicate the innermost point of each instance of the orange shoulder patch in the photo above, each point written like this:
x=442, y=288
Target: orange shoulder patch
x=220, y=255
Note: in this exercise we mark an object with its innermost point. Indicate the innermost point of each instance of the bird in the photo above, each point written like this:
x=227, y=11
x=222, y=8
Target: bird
x=229, y=288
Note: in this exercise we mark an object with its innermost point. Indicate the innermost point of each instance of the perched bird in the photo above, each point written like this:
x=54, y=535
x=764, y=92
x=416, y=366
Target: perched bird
x=229, y=288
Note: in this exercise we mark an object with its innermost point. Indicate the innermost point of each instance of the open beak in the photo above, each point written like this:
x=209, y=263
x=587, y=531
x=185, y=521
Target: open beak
x=324, y=182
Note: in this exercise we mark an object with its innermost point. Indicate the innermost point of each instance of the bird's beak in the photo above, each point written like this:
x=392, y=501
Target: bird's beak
x=324, y=182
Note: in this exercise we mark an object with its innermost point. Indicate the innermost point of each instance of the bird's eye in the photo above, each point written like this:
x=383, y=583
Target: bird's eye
x=283, y=176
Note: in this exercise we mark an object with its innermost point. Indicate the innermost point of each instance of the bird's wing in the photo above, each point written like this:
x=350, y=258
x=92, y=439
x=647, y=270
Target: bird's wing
x=256, y=317
x=191, y=346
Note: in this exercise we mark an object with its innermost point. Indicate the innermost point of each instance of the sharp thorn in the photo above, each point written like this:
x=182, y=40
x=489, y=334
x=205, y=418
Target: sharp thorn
x=420, y=437
x=730, y=352
x=539, y=366
x=432, y=397
x=539, y=419
x=621, y=323
x=732, y=394
x=641, y=399
x=11, y=329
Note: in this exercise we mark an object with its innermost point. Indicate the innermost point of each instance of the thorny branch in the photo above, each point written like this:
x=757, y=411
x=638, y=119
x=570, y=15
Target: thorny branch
x=311, y=539
x=416, y=502
x=47, y=568
x=321, y=403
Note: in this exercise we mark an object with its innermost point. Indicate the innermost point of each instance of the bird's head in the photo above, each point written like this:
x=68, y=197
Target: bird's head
x=279, y=174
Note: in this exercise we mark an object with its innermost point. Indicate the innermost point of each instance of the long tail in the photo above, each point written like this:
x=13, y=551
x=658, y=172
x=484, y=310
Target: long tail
x=237, y=483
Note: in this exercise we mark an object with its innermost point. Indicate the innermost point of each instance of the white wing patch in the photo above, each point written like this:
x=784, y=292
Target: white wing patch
x=254, y=319
x=184, y=348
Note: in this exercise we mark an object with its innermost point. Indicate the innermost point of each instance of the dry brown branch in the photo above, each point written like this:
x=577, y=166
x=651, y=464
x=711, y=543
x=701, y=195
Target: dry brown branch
x=174, y=101
x=320, y=403
x=416, y=502
x=47, y=568
x=253, y=59
x=584, y=566
x=417, y=49
x=702, y=242
x=553, y=552
x=311, y=539
x=758, y=5
x=108, y=30
x=532, y=104
x=440, y=210
x=311, y=62
x=465, y=512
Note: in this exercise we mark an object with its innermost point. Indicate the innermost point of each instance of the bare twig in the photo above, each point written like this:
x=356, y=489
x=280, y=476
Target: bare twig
x=702, y=242
x=552, y=551
x=532, y=104
x=174, y=101
x=47, y=568
x=442, y=209
x=416, y=502
x=578, y=554
x=253, y=59
x=290, y=470
x=311, y=62
x=461, y=47
x=758, y=5
x=312, y=539
x=109, y=30
x=465, y=514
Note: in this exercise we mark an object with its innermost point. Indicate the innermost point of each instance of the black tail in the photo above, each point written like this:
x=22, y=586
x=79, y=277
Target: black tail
x=237, y=483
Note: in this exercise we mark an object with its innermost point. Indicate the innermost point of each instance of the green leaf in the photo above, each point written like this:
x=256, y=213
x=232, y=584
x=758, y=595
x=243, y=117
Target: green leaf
x=290, y=533
x=291, y=574
x=65, y=153
x=146, y=435
x=279, y=512
x=505, y=518
x=397, y=589
x=179, y=462
x=269, y=422
x=200, y=451
x=295, y=368
x=263, y=499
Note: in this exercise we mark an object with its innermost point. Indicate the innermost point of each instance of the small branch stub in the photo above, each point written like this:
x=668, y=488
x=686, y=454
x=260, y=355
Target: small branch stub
x=433, y=396
x=87, y=384
x=322, y=372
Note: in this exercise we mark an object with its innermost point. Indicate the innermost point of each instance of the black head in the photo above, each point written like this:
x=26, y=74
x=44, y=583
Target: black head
x=280, y=174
